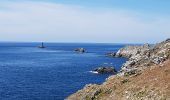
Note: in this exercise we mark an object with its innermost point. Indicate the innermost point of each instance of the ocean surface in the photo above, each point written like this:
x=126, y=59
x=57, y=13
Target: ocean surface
x=52, y=73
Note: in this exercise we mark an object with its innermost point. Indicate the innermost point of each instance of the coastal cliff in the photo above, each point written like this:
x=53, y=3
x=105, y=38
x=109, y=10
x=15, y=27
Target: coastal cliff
x=145, y=76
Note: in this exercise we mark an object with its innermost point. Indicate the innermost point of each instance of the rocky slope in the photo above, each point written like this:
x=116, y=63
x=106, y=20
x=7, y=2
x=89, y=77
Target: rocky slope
x=141, y=57
x=145, y=76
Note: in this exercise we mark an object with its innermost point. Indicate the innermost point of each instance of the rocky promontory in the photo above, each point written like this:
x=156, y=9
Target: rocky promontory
x=141, y=57
x=145, y=76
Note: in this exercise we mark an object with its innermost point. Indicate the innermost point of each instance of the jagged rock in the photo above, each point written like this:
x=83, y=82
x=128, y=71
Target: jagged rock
x=105, y=70
x=140, y=56
x=167, y=40
x=130, y=51
x=130, y=63
x=80, y=50
x=158, y=60
x=131, y=72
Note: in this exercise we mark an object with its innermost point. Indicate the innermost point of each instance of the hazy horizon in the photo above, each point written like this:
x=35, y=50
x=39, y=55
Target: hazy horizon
x=90, y=21
x=70, y=42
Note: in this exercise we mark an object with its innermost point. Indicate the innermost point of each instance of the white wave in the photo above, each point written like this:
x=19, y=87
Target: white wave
x=95, y=72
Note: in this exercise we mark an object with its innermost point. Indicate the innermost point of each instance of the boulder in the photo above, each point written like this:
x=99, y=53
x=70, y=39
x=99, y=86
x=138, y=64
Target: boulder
x=131, y=72
x=158, y=60
x=103, y=70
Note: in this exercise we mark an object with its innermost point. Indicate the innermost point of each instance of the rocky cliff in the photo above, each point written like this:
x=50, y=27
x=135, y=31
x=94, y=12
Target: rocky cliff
x=141, y=57
x=145, y=76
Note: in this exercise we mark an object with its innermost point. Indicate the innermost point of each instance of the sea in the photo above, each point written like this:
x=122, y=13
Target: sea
x=52, y=73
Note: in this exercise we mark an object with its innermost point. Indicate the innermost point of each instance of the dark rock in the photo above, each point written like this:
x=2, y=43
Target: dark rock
x=129, y=63
x=125, y=81
x=158, y=60
x=167, y=40
x=131, y=72
x=111, y=54
x=105, y=70
x=80, y=50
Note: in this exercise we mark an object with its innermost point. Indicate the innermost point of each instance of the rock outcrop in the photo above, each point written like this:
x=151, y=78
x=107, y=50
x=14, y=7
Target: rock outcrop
x=130, y=51
x=145, y=76
x=103, y=70
x=141, y=57
x=80, y=50
x=111, y=54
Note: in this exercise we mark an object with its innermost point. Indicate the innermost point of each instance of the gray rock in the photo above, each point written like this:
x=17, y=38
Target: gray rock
x=103, y=70
x=130, y=51
x=141, y=56
x=158, y=60
x=111, y=54
x=80, y=50
x=131, y=72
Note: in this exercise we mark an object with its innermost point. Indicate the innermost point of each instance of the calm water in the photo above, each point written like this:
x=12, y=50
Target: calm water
x=53, y=73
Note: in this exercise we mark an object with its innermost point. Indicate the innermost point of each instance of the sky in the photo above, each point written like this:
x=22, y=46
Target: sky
x=89, y=21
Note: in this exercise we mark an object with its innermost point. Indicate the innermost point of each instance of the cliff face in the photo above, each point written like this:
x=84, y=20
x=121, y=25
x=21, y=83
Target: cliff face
x=141, y=57
x=145, y=76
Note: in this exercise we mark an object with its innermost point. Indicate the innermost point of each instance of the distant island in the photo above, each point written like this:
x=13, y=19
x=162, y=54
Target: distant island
x=145, y=76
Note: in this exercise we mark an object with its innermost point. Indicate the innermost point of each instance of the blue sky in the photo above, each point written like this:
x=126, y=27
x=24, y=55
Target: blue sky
x=113, y=21
x=151, y=6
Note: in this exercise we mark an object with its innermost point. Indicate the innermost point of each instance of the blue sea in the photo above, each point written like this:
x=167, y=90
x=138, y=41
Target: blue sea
x=53, y=73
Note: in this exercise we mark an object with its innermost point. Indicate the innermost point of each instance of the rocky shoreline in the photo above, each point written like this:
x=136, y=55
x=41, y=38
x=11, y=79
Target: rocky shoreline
x=119, y=87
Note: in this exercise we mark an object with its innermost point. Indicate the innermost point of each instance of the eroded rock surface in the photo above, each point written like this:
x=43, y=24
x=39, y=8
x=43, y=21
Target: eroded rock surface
x=141, y=57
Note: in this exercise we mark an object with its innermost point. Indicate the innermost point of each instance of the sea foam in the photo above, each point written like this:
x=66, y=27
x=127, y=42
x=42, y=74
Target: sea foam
x=95, y=72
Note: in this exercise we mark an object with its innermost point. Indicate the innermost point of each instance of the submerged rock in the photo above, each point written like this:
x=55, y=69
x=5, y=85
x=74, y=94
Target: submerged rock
x=80, y=50
x=103, y=70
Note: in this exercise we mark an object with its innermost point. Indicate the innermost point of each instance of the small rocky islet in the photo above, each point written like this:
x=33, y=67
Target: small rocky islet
x=103, y=70
x=80, y=50
x=100, y=70
x=145, y=76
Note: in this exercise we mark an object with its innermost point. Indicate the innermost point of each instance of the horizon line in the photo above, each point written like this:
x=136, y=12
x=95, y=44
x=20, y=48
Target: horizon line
x=74, y=42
